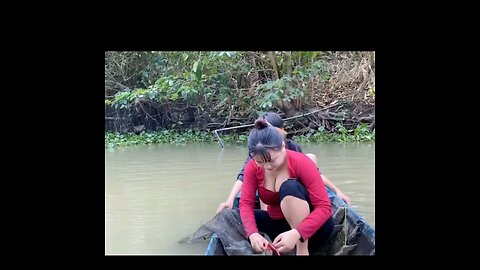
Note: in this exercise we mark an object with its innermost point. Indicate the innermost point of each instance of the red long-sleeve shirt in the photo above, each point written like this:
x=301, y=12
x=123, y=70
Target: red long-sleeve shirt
x=304, y=170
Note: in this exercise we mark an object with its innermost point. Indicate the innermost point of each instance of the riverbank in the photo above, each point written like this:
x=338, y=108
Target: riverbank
x=115, y=139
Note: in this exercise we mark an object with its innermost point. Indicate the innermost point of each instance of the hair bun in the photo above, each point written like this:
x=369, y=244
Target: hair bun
x=261, y=124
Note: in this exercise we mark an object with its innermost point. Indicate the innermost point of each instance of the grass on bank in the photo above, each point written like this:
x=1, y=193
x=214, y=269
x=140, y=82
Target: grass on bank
x=114, y=139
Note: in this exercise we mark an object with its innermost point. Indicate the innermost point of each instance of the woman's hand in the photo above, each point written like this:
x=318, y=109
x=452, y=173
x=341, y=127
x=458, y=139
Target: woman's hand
x=343, y=197
x=286, y=241
x=259, y=243
x=227, y=204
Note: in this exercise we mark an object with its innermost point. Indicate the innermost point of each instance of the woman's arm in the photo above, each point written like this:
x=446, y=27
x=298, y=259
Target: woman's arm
x=335, y=189
x=308, y=175
x=327, y=181
x=247, y=199
x=240, y=174
x=237, y=186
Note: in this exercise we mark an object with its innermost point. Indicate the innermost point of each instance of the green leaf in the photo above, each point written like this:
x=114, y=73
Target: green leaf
x=151, y=95
x=269, y=85
x=198, y=73
x=174, y=96
x=195, y=66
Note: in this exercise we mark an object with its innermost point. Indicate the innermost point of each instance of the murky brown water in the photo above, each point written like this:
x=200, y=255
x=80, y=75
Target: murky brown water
x=156, y=195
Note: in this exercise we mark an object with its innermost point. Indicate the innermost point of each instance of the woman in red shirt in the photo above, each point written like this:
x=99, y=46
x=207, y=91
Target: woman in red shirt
x=276, y=120
x=298, y=208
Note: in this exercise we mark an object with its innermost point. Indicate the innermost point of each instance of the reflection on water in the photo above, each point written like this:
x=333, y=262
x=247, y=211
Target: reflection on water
x=156, y=195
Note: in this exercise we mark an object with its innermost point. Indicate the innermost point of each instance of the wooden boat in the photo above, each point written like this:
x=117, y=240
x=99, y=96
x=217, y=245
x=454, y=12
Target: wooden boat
x=352, y=235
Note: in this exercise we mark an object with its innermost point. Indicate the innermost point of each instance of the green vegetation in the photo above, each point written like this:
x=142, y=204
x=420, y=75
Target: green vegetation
x=360, y=134
x=160, y=97
x=116, y=139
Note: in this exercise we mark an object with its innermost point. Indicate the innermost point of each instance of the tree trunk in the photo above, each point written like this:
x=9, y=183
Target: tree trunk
x=273, y=61
x=289, y=108
x=285, y=106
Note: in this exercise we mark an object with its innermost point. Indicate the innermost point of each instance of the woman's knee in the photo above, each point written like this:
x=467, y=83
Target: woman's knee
x=293, y=188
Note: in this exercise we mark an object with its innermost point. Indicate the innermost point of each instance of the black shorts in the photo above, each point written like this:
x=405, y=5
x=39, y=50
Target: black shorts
x=274, y=227
x=293, y=188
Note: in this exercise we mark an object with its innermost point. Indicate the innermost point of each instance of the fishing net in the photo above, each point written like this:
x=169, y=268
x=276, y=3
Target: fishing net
x=228, y=227
x=347, y=238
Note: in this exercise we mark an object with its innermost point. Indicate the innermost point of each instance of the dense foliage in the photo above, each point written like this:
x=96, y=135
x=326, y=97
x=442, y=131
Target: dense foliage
x=158, y=95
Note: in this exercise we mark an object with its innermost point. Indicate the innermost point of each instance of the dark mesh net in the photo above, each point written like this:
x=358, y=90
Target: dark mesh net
x=349, y=236
x=228, y=227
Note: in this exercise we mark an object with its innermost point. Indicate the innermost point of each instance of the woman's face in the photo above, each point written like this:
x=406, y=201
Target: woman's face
x=276, y=159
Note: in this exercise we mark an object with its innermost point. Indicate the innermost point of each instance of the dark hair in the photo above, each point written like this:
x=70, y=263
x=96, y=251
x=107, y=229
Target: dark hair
x=273, y=118
x=262, y=138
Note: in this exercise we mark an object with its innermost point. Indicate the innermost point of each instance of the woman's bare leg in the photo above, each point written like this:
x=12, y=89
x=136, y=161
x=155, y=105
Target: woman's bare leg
x=295, y=210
